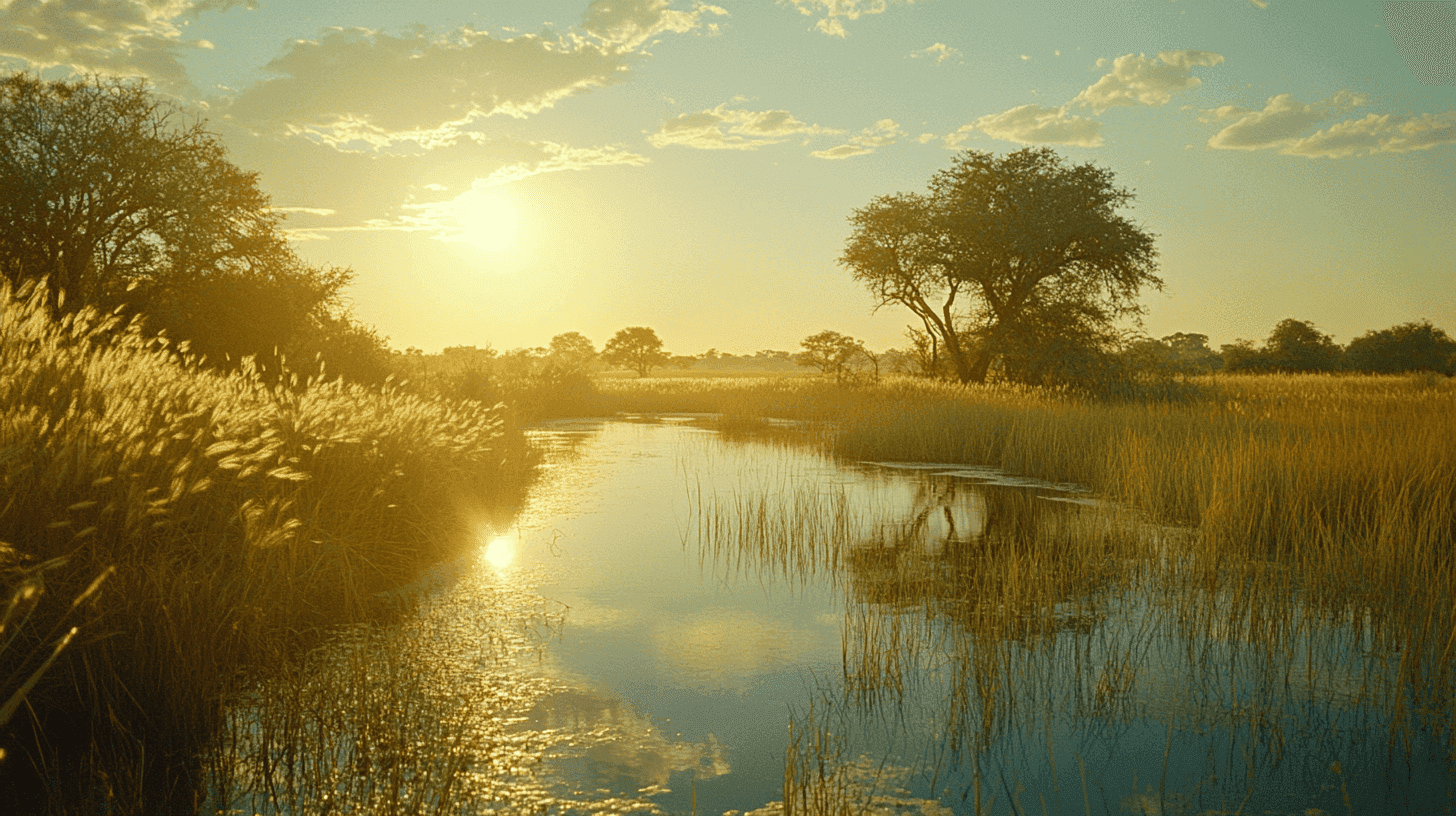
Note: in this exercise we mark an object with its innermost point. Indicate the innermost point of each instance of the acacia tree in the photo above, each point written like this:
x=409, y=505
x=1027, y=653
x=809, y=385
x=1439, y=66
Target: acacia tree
x=831, y=352
x=1006, y=258
x=637, y=348
x=117, y=198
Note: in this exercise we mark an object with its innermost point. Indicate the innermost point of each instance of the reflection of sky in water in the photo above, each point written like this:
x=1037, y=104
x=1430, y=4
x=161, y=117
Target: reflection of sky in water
x=641, y=669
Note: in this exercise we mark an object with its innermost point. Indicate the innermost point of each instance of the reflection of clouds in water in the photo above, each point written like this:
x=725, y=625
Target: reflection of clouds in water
x=730, y=648
x=590, y=616
x=619, y=741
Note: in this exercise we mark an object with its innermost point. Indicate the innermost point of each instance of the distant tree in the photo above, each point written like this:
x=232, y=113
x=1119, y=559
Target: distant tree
x=637, y=348
x=1242, y=356
x=572, y=350
x=1191, y=353
x=831, y=352
x=1296, y=345
x=682, y=362
x=1023, y=254
x=1178, y=353
x=117, y=199
x=1416, y=346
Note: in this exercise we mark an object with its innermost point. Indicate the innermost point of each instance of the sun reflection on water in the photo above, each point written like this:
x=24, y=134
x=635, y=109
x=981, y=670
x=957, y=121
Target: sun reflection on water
x=500, y=552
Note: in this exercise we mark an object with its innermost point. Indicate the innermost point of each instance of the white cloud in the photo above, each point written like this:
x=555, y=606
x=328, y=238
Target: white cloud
x=364, y=89
x=882, y=133
x=1281, y=121
x=940, y=51
x=122, y=37
x=835, y=11
x=723, y=128
x=362, y=85
x=1034, y=124
x=1378, y=134
x=1136, y=79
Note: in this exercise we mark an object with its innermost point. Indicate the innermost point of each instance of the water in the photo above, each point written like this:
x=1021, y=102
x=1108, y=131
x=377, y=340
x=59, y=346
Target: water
x=643, y=636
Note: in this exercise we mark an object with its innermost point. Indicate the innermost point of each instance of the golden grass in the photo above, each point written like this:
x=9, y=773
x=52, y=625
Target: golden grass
x=1286, y=525
x=236, y=515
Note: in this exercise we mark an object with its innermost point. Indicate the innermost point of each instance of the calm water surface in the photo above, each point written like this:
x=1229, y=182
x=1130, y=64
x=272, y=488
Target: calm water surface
x=644, y=634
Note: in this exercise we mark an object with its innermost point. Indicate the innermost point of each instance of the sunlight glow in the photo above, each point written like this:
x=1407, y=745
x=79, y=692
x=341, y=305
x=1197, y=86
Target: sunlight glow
x=486, y=219
x=501, y=552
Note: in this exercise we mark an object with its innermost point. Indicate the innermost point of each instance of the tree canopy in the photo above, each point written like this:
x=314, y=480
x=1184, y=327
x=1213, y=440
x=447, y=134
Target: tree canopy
x=117, y=198
x=637, y=348
x=573, y=350
x=1292, y=346
x=831, y=352
x=1415, y=346
x=1012, y=259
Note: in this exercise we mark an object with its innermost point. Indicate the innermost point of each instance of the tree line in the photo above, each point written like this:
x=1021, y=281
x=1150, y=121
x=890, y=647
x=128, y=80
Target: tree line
x=1016, y=267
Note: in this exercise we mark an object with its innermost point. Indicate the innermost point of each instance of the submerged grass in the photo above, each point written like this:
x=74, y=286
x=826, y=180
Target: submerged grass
x=234, y=514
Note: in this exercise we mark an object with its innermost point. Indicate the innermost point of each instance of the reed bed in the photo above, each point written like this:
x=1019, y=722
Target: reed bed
x=1272, y=562
x=234, y=512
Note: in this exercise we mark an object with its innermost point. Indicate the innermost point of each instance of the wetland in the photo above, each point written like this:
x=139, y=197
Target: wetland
x=685, y=618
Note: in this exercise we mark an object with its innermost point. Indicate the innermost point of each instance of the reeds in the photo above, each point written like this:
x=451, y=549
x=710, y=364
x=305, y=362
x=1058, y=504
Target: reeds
x=238, y=512
x=1279, y=549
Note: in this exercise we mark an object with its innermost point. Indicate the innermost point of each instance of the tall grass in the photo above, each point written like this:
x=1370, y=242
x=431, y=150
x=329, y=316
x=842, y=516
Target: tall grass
x=237, y=516
x=1295, y=529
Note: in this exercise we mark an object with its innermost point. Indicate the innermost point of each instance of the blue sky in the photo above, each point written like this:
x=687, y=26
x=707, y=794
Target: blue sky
x=501, y=172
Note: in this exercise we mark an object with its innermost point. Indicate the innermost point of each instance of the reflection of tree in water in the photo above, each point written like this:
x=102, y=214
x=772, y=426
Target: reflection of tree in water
x=969, y=581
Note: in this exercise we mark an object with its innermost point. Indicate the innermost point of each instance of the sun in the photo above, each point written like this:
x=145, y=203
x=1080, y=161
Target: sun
x=486, y=220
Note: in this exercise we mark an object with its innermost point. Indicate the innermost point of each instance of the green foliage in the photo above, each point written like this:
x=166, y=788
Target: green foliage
x=1415, y=346
x=637, y=348
x=1024, y=254
x=1297, y=346
x=1293, y=346
x=117, y=198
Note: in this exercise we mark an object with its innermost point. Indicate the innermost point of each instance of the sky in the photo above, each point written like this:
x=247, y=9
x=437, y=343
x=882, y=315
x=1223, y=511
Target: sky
x=499, y=172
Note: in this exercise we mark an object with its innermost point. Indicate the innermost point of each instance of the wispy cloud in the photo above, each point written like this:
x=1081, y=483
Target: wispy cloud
x=1034, y=124
x=1139, y=80
x=882, y=133
x=1379, y=134
x=375, y=191
x=1281, y=122
x=940, y=51
x=364, y=89
x=836, y=11
x=352, y=85
x=723, y=128
x=628, y=25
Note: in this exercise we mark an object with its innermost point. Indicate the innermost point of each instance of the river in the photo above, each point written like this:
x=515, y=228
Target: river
x=677, y=615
